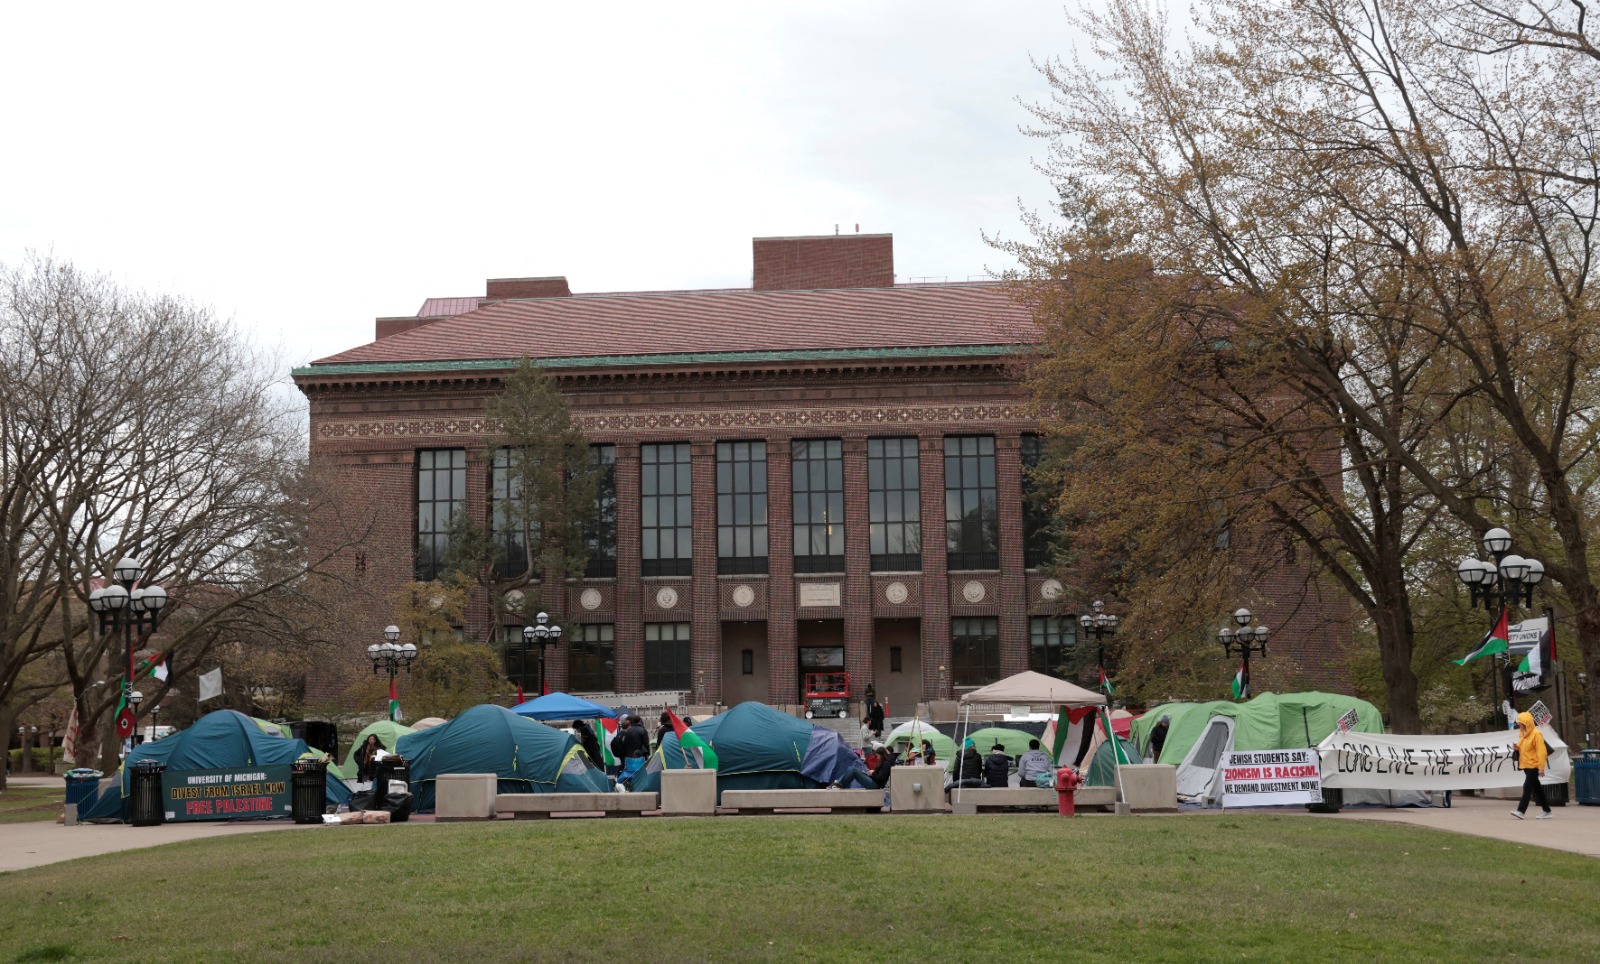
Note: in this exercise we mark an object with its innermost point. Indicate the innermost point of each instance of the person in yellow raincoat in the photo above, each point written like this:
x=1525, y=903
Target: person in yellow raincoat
x=1531, y=756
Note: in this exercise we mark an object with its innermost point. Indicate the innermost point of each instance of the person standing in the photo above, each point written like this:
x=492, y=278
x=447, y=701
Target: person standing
x=1158, y=739
x=875, y=718
x=589, y=742
x=1532, y=755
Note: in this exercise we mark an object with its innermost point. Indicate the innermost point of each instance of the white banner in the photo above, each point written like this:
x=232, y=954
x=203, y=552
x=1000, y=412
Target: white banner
x=1525, y=639
x=210, y=685
x=1468, y=761
x=1270, y=778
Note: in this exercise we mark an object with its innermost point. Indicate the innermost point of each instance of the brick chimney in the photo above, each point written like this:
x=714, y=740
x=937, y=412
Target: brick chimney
x=824, y=261
x=501, y=288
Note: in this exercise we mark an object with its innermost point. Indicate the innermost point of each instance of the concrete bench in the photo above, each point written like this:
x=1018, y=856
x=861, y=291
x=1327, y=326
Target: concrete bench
x=539, y=805
x=766, y=801
x=981, y=799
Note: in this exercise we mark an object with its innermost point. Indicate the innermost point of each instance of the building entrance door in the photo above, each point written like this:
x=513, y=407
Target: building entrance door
x=897, y=665
x=820, y=650
x=744, y=662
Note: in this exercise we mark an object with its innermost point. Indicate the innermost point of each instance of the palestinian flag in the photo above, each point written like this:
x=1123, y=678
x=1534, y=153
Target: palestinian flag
x=692, y=746
x=605, y=729
x=1498, y=640
x=153, y=666
x=1060, y=738
x=1118, y=752
x=1105, y=681
x=1241, y=683
x=394, y=702
x=125, y=723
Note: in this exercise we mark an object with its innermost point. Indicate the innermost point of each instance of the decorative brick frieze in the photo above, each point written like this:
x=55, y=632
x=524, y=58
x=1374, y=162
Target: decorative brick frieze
x=897, y=595
x=742, y=598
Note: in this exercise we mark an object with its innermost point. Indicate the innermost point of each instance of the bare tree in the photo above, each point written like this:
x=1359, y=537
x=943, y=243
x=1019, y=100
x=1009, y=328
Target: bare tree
x=1335, y=162
x=133, y=425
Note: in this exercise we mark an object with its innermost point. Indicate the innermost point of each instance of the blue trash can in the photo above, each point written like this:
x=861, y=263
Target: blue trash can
x=83, y=787
x=1587, y=772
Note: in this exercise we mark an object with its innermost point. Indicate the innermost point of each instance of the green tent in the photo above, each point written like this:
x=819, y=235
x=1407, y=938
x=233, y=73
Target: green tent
x=388, y=733
x=1015, y=741
x=1199, y=733
x=911, y=733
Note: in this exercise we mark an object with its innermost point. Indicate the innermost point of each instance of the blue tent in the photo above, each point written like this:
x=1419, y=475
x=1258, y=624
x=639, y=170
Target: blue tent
x=217, y=741
x=562, y=706
x=529, y=757
x=760, y=748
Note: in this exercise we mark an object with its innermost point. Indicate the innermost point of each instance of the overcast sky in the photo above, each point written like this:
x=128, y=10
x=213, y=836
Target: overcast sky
x=306, y=168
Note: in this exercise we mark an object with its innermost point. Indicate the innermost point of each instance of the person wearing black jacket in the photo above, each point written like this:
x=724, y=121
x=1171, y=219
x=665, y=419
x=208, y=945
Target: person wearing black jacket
x=968, y=768
x=589, y=742
x=631, y=741
x=996, y=767
x=886, y=762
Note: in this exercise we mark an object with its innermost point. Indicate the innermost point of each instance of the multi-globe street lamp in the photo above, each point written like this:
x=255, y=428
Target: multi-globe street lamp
x=1500, y=586
x=545, y=633
x=1242, y=642
x=390, y=656
x=1099, y=626
x=121, y=607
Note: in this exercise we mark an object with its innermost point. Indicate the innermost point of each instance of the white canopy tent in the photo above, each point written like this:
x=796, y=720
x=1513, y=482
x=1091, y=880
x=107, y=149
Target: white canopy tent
x=1025, y=689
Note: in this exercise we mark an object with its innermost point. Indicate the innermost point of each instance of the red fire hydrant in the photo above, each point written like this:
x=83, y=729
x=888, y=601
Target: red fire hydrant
x=1067, y=782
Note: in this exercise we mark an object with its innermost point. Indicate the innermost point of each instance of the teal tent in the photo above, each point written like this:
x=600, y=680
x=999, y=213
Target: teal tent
x=528, y=756
x=217, y=741
x=1102, y=770
x=760, y=748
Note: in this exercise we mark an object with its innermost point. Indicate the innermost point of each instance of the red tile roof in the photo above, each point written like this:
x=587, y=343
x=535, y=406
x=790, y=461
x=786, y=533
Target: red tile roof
x=913, y=316
x=442, y=307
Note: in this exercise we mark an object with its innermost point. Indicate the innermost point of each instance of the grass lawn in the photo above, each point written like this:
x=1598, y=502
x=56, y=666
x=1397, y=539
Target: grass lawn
x=27, y=804
x=995, y=888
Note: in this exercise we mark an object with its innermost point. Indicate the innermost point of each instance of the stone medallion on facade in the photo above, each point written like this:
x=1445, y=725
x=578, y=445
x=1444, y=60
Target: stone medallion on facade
x=590, y=599
x=743, y=597
x=897, y=593
x=666, y=597
x=1050, y=589
x=973, y=591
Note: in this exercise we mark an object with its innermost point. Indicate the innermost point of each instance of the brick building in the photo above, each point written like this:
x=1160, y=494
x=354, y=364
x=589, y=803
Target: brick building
x=823, y=471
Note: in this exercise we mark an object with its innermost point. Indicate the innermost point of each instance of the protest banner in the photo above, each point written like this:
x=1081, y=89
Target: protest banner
x=1541, y=714
x=1270, y=778
x=1467, y=761
x=226, y=794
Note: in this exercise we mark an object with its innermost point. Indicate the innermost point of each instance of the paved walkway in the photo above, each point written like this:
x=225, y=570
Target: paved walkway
x=24, y=845
x=1574, y=828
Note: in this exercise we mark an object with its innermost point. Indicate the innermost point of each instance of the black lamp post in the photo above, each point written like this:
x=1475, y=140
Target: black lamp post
x=1501, y=585
x=390, y=656
x=1242, y=642
x=134, y=699
x=1098, y=627
x=122, y=607
x=545, y=634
